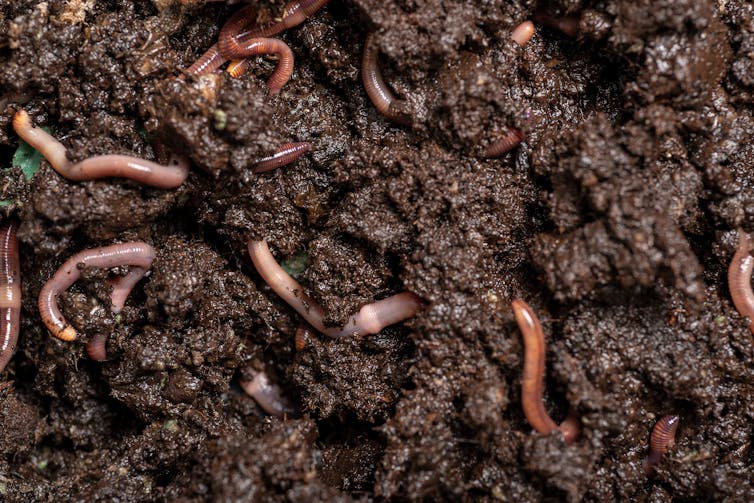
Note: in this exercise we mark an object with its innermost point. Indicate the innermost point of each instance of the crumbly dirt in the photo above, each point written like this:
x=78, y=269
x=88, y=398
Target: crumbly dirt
x=616, y=220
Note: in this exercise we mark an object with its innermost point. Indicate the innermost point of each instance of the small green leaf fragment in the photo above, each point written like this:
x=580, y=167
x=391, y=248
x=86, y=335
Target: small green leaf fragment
x=296, y=264
x=4, y=203
x=27, y=158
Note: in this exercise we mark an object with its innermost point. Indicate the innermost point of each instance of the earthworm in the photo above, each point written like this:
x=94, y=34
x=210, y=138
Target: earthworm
x=96, y=347
x=267, y=395
x=143, y=171
x=207, y=62
x=523, y=33
x=662, y=439
x=510, y=140
x=370, y=319
x=240, y=28
x=302, y=335
x=286, y=154
x=532, y=386
x=137, y=254
x=379, y=93
x=237, y=68
x=739, y=278
x=284, y=69
x=10, y=292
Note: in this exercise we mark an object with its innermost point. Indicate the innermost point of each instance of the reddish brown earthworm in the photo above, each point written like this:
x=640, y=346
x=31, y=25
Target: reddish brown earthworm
x=96, y=348
x=237, y=67
x=532, y=386
x=103, y=166
x=284, y=68
x=10, y=292
x=267, y=395
x=379, y=93
x=138, y=255
x=240, y=28
x=286, y=154
x=523, y=33
x=510, y=140
x=302, y=335
x=739, y=278
x=207, y=62
x=662, y=439
x=370, y=319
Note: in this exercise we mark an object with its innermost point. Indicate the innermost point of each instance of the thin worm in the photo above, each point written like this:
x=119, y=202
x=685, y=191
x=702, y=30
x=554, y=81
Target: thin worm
x=303, y=334
x=10, y=293
x=286, y=154
x=238, y=67
x=139, y=255
x=284, y=68
x=370, y=319
x=508, y=142
x=523, y=33
x=240, y=28
x=267, y=395
x=208, y=62
x=662, y=439
x=532, y=386
x=739, y=278
x=102, y=166
x=96, y=348
x=379, y=93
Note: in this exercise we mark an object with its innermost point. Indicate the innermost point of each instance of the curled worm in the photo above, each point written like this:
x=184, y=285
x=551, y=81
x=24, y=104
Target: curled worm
x=739, y=278
x=286, y=154
x=662, y=439
x=532, y=386
x=267, y=395
x=379, y=93
x=138, y=255
x=284, y=68
x=10, y=292
x=102, y=166
x=510, y=140
x=370, y=319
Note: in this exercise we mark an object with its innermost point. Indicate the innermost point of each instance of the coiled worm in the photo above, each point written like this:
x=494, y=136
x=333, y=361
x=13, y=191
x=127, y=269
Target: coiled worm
x=138, y=255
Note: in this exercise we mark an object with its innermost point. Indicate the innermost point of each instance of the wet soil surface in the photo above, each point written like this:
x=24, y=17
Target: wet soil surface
x=616, y=219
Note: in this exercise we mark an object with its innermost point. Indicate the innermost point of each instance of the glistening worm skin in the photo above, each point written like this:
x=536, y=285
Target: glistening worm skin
x=137, y=254
x=103, y=166
x=207, y=62
x=284, y=68
x=10, y=293
x=240, y=28
x=382, y=98
x=286, y=154
x=370, y=319
x=739, y=278
x=532, y=386
x=662, y=439
x=267, y=395
x=508, y=142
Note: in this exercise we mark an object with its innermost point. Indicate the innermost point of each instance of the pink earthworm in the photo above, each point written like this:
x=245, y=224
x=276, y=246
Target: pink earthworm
x=284, y=69
x=739, y=278
x=10, y=296
x=102, y=166
x=96, y=347
x=662, y=439
x=267, y=395
x=523, y=33
x=208, y=62
x=378, y=91
x=532, y=386
x=286, y=154
x=139, y=255
x=370, y=319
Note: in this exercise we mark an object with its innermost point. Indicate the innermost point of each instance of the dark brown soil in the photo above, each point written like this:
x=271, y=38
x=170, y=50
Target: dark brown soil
x=616, y=220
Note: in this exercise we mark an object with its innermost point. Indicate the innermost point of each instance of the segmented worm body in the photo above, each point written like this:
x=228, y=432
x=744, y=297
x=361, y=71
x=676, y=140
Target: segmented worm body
x=532, y=386
x=508, y=142
x=138, y=255
x=208, y=62
x=302, y=335
x=10, y=293
x=286, y=154
x=282, y=73
x=379, y=93
x=662, y=439
x=370, y=319
x=103, y=166
x=96, y=347
x=739, y=278
x=267, y=395
x=523, y=33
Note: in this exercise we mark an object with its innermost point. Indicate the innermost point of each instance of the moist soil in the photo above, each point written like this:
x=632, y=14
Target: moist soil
x=616, y=219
